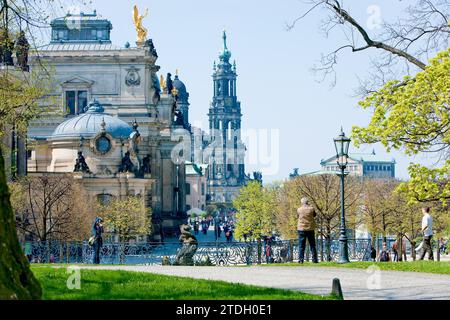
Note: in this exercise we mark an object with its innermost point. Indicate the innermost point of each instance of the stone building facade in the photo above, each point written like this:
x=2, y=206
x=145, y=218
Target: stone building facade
x=106, y=104
x=364, y=165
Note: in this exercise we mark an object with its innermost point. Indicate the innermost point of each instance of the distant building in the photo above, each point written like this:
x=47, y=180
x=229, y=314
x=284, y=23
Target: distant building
x=196, y=183
x=112, y=124
x=225, y=151
x=362, y=164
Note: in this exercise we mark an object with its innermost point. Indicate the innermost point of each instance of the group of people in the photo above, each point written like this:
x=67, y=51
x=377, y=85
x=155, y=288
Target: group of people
x=306, y=226
x=202, y=225
x=226, y=227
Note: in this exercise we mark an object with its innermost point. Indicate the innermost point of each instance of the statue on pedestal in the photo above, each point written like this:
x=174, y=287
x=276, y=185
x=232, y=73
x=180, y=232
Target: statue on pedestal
x=190, y=244
x=126, y=165
x=179, y=119
x=22, y=48
x=146, y=164
x=80, y=164
x=169, y=83
x=149, y=43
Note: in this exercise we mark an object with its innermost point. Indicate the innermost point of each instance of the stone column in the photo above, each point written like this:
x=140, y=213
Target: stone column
x=167, y=183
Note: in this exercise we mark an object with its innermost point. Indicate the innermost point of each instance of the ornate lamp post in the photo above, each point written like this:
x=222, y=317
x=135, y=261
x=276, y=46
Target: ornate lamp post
x=341, y=143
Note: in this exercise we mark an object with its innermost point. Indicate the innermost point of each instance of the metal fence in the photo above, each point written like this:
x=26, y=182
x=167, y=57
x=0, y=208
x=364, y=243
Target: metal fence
x=214, y=253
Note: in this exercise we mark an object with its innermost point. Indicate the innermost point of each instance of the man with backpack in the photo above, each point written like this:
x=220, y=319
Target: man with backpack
x=384, y=255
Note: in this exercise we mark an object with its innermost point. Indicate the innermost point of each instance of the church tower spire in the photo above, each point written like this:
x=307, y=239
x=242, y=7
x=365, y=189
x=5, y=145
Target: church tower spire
x=227, y=173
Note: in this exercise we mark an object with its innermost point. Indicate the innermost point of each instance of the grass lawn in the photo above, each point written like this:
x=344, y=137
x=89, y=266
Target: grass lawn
x=113, y=284
x=442, y=267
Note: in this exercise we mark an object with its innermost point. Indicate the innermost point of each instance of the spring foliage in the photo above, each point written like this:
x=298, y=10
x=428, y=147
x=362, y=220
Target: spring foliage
x=413, y=115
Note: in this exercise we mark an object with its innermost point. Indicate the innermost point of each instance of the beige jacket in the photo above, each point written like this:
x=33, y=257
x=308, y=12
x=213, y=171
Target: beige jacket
x=306, y=216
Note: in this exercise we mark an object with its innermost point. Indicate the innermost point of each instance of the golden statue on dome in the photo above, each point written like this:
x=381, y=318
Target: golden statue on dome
x=137, y=20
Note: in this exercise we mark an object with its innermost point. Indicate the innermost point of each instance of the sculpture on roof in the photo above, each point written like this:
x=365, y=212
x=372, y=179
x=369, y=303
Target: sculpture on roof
x=169, y=83
x=257, y=176
x=22, y=48
x=146, y=164
x=179, y=119
x=294, y=174
x=80, y=164
x=137, y=20
x=126, y=165
x=149, y=43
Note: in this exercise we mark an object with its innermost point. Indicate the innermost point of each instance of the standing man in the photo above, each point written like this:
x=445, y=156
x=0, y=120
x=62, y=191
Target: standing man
x=427, y=229
x=97, y=231
x=305, y=227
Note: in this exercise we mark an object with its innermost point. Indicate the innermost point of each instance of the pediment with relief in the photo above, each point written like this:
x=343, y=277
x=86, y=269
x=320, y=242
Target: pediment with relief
x=77, y=81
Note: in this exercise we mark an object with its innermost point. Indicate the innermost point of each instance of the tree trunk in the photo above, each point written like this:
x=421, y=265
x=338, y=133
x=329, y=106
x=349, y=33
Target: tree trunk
x=438, y=252
x=328, y=242
x=16, y=279
x=413, y=250
x=328, y=247
x=321, y=248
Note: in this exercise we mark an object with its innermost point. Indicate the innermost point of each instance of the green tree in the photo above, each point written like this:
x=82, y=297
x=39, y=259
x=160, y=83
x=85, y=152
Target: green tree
x=323, y=192
x=52, y=208
x=414, y=115
x=19, y=94
x=255, y=211
x=127, y=218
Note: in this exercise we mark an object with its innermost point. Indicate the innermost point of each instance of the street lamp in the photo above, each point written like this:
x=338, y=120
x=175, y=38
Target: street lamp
x=341, y=143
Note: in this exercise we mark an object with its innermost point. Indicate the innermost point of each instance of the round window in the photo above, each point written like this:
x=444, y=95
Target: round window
x=103, y=144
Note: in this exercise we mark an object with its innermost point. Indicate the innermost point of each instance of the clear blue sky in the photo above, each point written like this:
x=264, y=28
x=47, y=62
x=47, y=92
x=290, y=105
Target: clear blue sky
x=276, y=87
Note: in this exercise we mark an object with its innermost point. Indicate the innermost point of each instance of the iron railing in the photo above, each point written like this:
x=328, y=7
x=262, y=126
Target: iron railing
x=214, y=253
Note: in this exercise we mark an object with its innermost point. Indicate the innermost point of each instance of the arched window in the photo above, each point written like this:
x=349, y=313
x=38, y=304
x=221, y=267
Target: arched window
x=104, y=198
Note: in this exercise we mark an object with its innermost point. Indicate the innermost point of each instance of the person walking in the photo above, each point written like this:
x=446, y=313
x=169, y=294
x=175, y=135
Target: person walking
x=395, y=251
x=373, y=254
x=427, y=229
x=229, y=234
x=97, y=231
x=196, y=227
x=305, y=228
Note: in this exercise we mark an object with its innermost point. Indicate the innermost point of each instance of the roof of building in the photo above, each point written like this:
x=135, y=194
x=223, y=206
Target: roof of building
x=81, y=17
x=81, y=27
x=320, y=172
x=80, y=46
x=91, y=123
x=362, y=157
x=181, y=88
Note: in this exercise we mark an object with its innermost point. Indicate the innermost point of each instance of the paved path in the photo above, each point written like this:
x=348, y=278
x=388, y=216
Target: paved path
x=355, y=282
x=201, y=237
